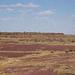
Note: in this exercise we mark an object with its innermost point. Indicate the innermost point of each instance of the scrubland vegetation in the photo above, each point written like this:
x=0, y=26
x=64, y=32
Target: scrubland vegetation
x=37, y=53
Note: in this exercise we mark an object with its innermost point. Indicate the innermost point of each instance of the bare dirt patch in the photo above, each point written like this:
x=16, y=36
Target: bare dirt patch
x=43, y=63
x=11, y=55
x=35, y=47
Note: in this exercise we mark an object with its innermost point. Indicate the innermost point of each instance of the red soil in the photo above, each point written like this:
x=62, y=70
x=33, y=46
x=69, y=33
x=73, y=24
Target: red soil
x=35, y=47
x=15, y=69
x=58, y=47
x=59, y=58
x=1, y=58
x=20, y=47
x=11, y=55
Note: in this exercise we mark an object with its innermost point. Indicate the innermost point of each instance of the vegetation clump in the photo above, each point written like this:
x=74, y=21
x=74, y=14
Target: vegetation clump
x=36, y=40
x=70, y=50
x=61, y=40
x=72, y=41
x=67, y=51
x=74, y=50
x=52, y=51
x=65, y=70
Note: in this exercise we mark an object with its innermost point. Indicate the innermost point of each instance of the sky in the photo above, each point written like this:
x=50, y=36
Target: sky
x=50, y=16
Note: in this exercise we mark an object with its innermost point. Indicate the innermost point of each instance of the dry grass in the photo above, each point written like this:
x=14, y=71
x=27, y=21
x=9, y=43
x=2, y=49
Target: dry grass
x=10, y=62
x=65, y=70
x=17, y=62
x=19, y=51
x=30, y=39
x=70, y=60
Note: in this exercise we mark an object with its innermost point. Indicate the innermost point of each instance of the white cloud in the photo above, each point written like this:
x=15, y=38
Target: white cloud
x=8, y=18
x=25, y=11
x=9, y=9
x=32, y=5
x=48, y=12
x=20, y=5
x=16, y=5
x=44, y=18
x=73, y=16
x=3, y=5
x=29, y=10
x=22, y=11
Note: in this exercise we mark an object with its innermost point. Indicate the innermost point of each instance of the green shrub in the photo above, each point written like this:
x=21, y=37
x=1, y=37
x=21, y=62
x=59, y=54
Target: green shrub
x=67, y=51
x=72, y=41
x=61, y=40
x=70, y=50
x=52, y=51
x=74, y=50
x=36, y=40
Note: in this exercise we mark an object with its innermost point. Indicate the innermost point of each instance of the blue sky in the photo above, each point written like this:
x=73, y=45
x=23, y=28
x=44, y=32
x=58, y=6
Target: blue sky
x=56, y=16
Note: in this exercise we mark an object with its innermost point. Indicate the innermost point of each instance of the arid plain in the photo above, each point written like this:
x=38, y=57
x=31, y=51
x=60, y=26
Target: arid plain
x=37, y=53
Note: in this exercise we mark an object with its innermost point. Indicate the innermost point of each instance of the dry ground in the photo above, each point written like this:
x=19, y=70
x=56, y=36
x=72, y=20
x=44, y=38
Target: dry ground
x=18, y=57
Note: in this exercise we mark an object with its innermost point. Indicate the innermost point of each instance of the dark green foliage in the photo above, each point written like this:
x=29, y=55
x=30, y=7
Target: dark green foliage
x=70, y=50
x=72, y=41
x=74, y=50
x=52, y=51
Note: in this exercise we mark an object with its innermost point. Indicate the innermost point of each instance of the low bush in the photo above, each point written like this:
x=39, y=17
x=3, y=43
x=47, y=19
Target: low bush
x=67, y=51
x=36, y=40
x=72, y=41
x=74, y=50
x=65, y=70
x=70, y=50
x=52, y=51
